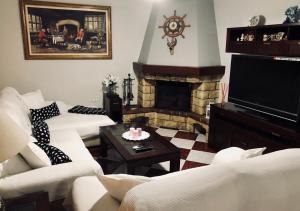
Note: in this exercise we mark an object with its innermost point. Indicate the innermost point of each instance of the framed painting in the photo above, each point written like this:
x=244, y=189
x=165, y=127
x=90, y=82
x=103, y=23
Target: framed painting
x=54, y=30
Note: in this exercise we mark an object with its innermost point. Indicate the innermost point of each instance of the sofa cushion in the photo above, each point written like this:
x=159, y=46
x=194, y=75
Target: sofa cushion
x=17, y=115
x=70, y=143
x=11, y=95
x=235, y=154
x=89, y=194
x=35, y=156
x=266, y=182
x=41, y=132
x=117, y=185
x=34, y=100
x=44, y=113
x=55, y=155
x=86, y=125
x=13, y=166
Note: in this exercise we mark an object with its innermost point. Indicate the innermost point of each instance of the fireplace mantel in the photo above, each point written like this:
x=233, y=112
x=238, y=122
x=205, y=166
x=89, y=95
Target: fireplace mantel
x=182, y=71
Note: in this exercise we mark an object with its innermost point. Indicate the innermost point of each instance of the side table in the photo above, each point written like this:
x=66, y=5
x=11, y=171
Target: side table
x=38, y=201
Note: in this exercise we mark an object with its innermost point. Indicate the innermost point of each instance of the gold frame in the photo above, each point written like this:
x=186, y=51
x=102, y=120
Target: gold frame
x=26, y=39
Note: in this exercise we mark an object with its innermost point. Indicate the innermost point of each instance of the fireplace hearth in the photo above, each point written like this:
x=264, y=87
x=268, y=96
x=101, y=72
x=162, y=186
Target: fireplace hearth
x=174, y=96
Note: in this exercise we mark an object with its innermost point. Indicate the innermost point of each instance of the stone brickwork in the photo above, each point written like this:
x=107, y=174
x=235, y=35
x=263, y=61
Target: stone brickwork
x=165, y=120
x=205, y=89
x=146, y=93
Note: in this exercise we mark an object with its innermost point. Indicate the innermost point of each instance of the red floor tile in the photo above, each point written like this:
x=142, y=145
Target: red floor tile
x=184, y=153
x=186, y=135
x=191, y=164
x=200, y=146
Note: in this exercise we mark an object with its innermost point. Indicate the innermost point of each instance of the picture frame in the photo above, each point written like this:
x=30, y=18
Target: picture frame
x=53, y=30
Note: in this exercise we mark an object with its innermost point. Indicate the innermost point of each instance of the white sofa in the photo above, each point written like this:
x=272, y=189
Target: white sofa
x=264, y=183
x=66, y=133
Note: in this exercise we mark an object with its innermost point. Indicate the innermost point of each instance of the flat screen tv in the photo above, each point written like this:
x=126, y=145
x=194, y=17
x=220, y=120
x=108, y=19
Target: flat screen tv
x=267, y=85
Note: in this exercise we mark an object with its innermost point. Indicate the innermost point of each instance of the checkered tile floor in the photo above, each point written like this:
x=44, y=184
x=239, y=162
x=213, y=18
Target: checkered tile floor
x=194, y=152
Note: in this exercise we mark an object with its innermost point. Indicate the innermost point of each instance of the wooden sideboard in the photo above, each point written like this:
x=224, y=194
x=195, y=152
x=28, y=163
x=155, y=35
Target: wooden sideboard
x=230, y=125
x=289, y=45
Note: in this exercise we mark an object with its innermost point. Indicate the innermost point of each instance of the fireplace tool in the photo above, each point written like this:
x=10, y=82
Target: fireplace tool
x=127, y=90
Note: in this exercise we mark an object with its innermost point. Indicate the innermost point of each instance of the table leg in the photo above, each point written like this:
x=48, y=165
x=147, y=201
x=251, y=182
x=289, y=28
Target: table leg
x=175, y=165
x=130, y=170
x=103, y=148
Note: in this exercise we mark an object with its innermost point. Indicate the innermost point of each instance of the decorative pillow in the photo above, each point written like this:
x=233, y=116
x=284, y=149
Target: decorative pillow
x=12, y=166
x=235, y=153
x=35, y=156
x=117, y=185
x=44, y=113
x=86, y=110
x=41, y=132
x=55, y=155
x=34, y=100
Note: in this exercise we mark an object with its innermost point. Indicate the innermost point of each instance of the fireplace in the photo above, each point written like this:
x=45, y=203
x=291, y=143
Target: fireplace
x=174, y=96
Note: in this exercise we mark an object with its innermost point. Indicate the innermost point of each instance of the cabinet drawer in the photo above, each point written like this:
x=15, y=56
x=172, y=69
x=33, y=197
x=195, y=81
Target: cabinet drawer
x=115, y=106
x=249, y=140
x=273, y=48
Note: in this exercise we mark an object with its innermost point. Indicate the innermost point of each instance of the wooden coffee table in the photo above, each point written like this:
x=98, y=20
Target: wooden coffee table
x=163, y=150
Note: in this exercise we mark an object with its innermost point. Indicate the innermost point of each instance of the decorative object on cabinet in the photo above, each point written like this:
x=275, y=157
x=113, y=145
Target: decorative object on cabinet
x=173, y=27
x=224, y=91
x=291, y=15
x=257, y=20
x=127, y=90
x=53, y=30
x=110, y=84
x=275, y=37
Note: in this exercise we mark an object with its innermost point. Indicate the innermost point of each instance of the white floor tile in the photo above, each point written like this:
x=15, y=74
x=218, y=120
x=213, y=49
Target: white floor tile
x=166, y=165
x=201, y=138
x=200, y=156
x=166, y=132
x=183, y=143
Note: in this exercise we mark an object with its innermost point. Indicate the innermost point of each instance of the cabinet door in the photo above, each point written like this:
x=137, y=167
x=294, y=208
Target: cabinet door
x=247, y=140
x=273, y=48
x=220, y=134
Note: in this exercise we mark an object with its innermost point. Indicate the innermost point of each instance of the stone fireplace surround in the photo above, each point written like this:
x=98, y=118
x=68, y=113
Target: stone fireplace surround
x=205, y=88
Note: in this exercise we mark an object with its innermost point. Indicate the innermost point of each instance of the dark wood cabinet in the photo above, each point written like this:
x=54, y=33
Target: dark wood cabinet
x=288, y=45
x=112, y=104
x=31, y=202
x=234, y=126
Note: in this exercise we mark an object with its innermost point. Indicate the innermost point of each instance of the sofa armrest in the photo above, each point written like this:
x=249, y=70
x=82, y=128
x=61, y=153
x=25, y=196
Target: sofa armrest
x=56, y=180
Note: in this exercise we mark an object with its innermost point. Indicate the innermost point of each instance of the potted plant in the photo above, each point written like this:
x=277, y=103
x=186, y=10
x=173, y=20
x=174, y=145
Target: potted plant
x=110, y=84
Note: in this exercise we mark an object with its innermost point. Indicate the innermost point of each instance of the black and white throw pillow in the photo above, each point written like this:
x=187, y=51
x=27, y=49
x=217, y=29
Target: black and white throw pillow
x=41, y=132
x=86, y=110
x=44, y=113
x=55, y=155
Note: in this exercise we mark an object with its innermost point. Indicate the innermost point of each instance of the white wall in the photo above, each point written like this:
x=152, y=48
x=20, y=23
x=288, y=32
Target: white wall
x=236, y=13
x=200, y=46
x=74, y=81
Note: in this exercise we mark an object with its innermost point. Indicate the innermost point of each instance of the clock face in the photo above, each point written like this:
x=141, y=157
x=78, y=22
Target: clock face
x=173, y=25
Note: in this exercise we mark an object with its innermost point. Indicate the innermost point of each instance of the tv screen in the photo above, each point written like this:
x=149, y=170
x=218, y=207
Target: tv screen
x=266, y=85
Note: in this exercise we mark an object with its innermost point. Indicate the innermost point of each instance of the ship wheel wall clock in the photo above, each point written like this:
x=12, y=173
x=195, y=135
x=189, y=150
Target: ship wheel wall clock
x=173, y=27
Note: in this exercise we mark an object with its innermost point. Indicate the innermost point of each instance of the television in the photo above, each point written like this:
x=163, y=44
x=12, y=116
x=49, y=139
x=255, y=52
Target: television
x=268, y=85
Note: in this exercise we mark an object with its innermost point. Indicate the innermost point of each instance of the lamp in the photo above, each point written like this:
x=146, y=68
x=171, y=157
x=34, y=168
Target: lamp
x=12, y=140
